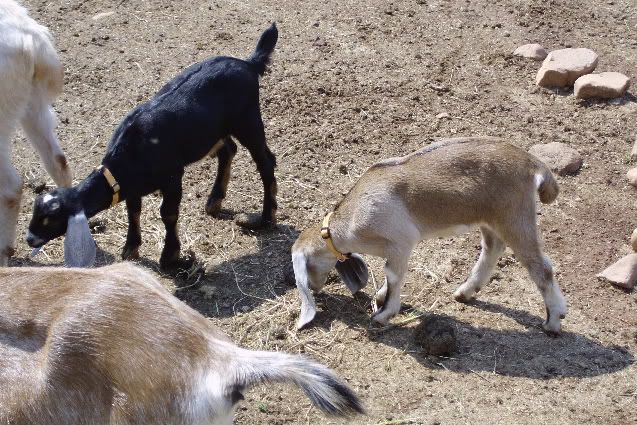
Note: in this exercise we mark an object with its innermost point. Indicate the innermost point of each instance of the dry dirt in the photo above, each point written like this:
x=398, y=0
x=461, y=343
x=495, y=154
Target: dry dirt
x=353, y=82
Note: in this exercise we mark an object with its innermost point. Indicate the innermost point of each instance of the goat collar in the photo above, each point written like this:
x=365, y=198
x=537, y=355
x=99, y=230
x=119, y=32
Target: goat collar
x=327, y=237
x=111, y=182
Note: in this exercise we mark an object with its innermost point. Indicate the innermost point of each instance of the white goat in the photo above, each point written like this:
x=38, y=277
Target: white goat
x=442, y=189
x=30, y=79
x=111, y=346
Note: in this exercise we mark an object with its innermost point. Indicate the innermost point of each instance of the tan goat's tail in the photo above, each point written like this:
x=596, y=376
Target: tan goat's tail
x=546, y=184
x=320, y=384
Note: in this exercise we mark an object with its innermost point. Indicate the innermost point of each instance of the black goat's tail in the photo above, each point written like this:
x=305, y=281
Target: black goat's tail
x=261, y=56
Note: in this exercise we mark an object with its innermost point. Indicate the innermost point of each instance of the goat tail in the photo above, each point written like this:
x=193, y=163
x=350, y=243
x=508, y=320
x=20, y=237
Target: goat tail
x=262, y=54
x=319, y=383
x=546, y=184
x=48, y=70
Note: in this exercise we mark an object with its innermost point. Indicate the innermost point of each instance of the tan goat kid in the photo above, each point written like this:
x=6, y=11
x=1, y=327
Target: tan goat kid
x=440, y=190
x=112, y=346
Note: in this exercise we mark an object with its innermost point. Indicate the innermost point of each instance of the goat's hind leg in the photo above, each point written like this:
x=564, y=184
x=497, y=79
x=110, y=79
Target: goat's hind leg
x=252, y=136
x=225, y=153
x=492, y=249
x=39, y=125
x=526, y=246
x=134, y=235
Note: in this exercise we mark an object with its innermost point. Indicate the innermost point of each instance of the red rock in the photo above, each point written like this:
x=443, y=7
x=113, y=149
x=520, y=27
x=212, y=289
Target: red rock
x=622, y=273
x=605, y=85
x=562, y=67
x=560, y=158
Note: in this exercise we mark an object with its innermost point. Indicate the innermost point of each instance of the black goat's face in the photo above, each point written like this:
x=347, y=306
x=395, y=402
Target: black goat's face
x=51, y=213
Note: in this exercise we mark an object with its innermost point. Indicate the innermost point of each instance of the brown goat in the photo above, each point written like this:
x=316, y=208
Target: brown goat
x=442, y=189
x=112, y=346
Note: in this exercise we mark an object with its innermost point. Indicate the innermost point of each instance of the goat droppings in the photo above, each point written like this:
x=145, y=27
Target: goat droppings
x=436, y=335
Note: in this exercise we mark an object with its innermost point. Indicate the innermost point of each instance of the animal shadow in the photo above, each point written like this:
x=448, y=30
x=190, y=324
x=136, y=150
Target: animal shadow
x=239, y=284
x=526, y=353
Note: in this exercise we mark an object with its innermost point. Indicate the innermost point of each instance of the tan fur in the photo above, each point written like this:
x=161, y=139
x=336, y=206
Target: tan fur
x=442, y=189
x=112, y=346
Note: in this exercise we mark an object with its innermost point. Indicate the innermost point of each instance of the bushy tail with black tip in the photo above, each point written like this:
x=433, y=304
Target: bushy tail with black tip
x=319, y=383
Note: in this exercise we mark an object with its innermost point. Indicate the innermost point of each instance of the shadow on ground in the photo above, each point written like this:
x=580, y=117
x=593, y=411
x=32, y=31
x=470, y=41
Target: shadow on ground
x=227, y=286
x=528, y=353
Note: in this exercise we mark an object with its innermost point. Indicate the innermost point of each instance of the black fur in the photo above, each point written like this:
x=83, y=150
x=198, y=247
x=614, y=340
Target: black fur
x=207, y=103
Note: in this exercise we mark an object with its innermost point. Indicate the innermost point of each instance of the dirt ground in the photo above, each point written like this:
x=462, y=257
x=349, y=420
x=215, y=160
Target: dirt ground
x=353, y=82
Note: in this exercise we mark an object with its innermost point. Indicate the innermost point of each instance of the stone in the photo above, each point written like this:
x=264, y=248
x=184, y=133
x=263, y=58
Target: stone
x=443, y=115
x=633, y=152
x=606, y=85
x=560, y=158
x=623, y=272
x=532, y=51
x=562, y=67
x=633, y=240
x=436, y=335
x=631, y=175
x=102, y=15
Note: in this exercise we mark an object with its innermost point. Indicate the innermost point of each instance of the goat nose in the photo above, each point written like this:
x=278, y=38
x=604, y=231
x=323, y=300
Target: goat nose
x=34, y=241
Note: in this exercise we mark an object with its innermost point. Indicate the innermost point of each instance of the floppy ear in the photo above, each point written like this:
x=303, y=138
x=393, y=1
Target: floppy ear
x=354, y=272
x=308, y=306
x=79, y=246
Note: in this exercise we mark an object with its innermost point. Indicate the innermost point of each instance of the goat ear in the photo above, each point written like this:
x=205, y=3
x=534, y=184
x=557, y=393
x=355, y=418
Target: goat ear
x=79, y=246
x=308, y=306
x=354, y=272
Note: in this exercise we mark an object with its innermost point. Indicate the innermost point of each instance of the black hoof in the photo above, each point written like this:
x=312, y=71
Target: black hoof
x=213, y=207
x=130, y=253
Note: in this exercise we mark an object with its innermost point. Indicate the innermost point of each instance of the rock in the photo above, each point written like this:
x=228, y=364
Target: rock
x=102, y=15
x=562, y=67
x=209, y=292
x=633, y=152
x=436, y=335
x=531, y=51
x=606, y=85
x=632, y=176
x=560, y=158
x=633, y=240
x=442, y=115
x=622, y=273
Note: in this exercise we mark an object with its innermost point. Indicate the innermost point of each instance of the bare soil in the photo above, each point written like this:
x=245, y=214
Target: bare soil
x=353, y=82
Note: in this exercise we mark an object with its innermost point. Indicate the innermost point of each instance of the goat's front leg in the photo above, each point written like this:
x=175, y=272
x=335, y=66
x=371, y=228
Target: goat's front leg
x=134, y=235
x=395, y=269
x=225, y=154
x=10, y=195
x=169, y=211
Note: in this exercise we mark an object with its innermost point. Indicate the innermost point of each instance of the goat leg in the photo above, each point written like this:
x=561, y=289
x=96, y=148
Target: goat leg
x=134, y=235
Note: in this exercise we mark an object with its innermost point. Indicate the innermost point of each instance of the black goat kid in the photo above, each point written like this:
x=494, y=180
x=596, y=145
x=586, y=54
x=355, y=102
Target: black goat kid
x=192, y=116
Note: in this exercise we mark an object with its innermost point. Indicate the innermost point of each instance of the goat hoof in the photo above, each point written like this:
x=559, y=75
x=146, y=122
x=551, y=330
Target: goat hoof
x=253, y=221
x=552, y=330
x=213, y=207
x=174, y=266
x=462, y=297
x=130, y=253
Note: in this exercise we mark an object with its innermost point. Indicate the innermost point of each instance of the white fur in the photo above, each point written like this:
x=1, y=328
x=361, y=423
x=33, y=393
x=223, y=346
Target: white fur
x=30, y=78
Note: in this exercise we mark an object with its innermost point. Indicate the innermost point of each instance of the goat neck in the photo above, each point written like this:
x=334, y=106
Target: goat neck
x=95, y=194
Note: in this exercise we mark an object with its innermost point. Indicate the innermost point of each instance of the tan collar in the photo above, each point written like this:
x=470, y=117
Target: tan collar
x=325, y=234
x=111, y=182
